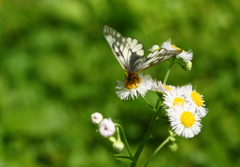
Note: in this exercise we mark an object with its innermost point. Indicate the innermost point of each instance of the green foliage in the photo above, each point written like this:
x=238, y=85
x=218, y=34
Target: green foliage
x=56, y=69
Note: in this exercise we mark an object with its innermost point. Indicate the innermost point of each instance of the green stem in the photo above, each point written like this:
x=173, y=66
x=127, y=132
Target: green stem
x=157, y=109
x=168, y=72
x=149, y=104
x=158, y=103
x=145, y=138
x=157, y=150
x=125, y=140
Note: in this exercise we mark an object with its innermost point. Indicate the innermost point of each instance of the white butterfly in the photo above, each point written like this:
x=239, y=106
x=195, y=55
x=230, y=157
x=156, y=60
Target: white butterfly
x=130, y=54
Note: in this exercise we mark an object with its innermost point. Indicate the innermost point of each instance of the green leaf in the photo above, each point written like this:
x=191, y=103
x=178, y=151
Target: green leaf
x=123, y=158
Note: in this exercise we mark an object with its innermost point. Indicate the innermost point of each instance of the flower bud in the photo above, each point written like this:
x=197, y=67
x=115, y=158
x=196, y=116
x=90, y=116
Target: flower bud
x=112, y=139
x=172, y=138
x=185, y=65
x=154, y=48
x=188, y=65
x=118, y=146
x=96, y=118
x=173, y=147
x=107, y=127
x=170, y=132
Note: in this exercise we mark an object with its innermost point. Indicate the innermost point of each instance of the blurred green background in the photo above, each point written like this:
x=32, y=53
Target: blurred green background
x=56, y=69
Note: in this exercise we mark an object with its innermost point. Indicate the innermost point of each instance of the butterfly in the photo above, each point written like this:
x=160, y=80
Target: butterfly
x=130, y=54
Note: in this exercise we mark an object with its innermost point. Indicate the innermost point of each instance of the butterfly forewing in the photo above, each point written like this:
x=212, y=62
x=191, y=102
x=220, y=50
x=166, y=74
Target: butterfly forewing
x=130, y=54
x=127, y=50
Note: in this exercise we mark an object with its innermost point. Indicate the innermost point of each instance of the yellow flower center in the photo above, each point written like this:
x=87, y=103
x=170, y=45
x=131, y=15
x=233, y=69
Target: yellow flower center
x=178, y=100
x=187, y=118
x=197, y=98
x=176, y=47
x=167, y=87
x=132, y=81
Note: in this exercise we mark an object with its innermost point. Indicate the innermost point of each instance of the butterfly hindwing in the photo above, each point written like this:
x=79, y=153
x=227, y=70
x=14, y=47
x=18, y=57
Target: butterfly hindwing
x=127, y=50
x=155, y=58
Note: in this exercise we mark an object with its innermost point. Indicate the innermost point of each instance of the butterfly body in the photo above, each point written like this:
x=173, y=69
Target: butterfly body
x=131, y=80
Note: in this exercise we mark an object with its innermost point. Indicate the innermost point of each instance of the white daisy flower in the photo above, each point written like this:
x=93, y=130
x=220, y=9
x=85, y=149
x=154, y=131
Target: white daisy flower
x=107, y=127
x=196, y=99
x=186, y=56
x=139, y=85
x=96, y=118
x=184, y=121
x=168, y=46
x=174, y=97
x=158, y=86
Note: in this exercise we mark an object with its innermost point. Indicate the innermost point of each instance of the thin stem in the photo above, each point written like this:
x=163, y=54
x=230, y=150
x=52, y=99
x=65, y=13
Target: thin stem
x=149, y=104
x=159, y=148
x=168, y=72
x=158, y=103
x=125, y=140
x=145, y=139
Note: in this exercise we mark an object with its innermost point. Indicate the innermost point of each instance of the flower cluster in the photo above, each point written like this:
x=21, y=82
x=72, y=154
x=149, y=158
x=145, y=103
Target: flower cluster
x=184, y=106
x=106, y=126
x=107, y=129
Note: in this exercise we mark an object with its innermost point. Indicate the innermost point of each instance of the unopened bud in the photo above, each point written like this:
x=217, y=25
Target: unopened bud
x=188, y=65
x=154, y=48
x=170, y=132
x=107, y=127
x=173, y=147
x=172, y=139
x=96, y=118
x=112, y=139
x=185, y=65
x=118, y=146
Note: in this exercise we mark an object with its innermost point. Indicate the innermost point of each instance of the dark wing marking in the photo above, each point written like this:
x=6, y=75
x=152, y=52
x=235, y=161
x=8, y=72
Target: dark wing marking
x=126, y=50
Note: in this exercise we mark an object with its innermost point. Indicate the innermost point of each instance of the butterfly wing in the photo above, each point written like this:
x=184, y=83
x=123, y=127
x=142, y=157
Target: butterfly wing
x=155, y=58
x=127, y=50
